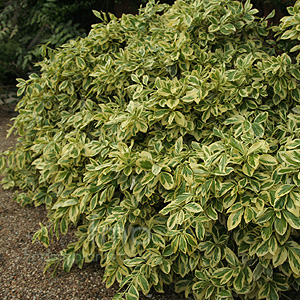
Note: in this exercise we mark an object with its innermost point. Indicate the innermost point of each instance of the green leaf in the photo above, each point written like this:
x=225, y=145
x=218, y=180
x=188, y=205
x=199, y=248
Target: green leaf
x=262, y=249
x=182, y=244
x=191, y=240
x=180, y=119
x=291, y=219
x=235, y=219
x=132, y=293
x=118, y=296
x=264, y=291
x=63, y=85
x=69, y=261
x=231, y=257
x=295, y=72
x=271, y=14
x=295, y=48
x=179, y=145
x=258, y=147
x=280, y=257
x=294, y=259
x=225, y=187
x=249, y=214
x=158, y=240
x=188, y=174
x=265, y=216
x=288, y=34
x=237, y=145
x=253, y=160
x=156, y=169
x=212, y=213
x=98, y=14
x=234, y=120
x=168, y=250
x=170, y=207
x=280, y=225
x=143, y=283
x=248, y=170
x=243, y=93
x=193, y=207
x=262, y=117
x=135, y=78
x=147, y=178
x=283, y=190
x=227, y=29
x=268, y=160
x=200, y=231
x=65, y=203
x=21, y=91
x=145, y=79
x=173, y=220
x=132, y=262
x=273, y=245
x=258, y=129
x=239, y=281
x=166, y=180
x=80, y=62
x=248, y=275
x=266, y=232
x=224, y=274
x=223, y=294
x=145, y=164
x=209, y=291
x=166, y=266
x=273, y=294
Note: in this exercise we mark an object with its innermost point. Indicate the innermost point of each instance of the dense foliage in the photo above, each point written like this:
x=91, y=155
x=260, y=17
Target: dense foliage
x=171, y=141
x=24, y=26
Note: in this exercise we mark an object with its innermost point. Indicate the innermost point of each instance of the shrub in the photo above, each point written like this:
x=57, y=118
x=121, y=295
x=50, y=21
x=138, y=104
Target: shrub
x=170, y=140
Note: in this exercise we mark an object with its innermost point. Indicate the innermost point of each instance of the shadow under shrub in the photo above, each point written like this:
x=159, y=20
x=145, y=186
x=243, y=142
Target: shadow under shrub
x=171, y=141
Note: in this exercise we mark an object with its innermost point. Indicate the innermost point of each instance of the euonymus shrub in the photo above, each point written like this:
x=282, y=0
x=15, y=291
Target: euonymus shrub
x=171, y=140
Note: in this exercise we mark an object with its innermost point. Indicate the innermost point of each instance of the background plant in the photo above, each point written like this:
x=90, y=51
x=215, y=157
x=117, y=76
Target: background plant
x=170, y=140
x=26, y=24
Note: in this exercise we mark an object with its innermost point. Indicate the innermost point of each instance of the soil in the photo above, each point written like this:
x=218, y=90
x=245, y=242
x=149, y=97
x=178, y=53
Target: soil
x=22, y=262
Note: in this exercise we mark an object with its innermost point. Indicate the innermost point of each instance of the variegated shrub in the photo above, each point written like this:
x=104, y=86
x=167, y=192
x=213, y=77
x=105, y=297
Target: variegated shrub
x=171, y=140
